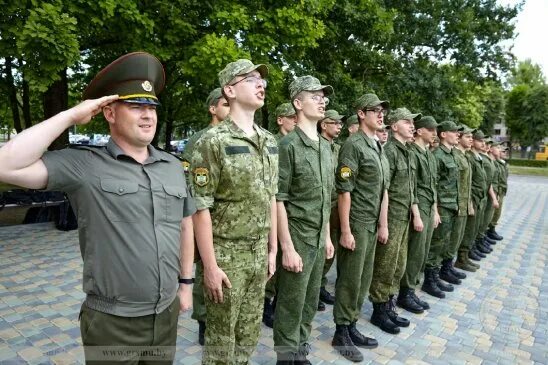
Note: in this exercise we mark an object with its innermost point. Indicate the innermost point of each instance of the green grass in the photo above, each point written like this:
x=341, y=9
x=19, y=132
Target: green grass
x=534, y=171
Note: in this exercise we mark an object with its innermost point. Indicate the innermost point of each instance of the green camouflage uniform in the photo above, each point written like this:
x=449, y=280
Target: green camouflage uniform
x=391, y=258
x=491, y=172
x=305, y=186
x=464, y=203
x=425, y=198
x=364, y=172
x=478, y=197
x=235, y=177
x=448, y=176
x=502, y=188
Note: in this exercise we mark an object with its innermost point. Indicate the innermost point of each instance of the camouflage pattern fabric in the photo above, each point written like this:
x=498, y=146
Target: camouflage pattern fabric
x=470, y=230
x=441, y=237
x=455, y=238
x=198, y=297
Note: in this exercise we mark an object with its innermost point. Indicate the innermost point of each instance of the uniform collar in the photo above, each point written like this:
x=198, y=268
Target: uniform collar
x=400, y=145
x=444, y=148
x=306, y=140
x=369, y=140
x=115, y=151
x=233, y=127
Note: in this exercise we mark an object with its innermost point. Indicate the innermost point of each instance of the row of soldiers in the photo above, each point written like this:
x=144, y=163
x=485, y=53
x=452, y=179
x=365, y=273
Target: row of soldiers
x=389, y=204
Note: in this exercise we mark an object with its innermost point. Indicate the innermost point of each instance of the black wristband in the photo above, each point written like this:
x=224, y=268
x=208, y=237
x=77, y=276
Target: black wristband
x=186, y=281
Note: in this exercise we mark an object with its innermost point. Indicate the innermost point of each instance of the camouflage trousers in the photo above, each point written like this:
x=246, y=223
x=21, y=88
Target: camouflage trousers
x=441, y=237
x=488, y=215
x=457, y=234
x=417, y=250
x=480, y=233
x=354, y=274
x=498, y=211
x=234, y=326
x=471, y=228
x=390, y=261
x=335, y=235
x=297, y=298
x=198, y=300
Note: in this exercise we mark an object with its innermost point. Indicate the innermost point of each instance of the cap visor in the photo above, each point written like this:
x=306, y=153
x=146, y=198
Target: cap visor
x=141, y=101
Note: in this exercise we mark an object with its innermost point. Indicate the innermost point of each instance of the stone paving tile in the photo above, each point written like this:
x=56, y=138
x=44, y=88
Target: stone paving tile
x=494, y=317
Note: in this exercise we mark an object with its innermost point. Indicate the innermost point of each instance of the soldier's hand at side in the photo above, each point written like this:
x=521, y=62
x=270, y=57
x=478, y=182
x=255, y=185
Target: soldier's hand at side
x=437, y=219
x=496, y=204
x=382, y=235
x=271, y=264
x=347, y=241
x=291, y=261
x=185, y=297
x=471, y=210
x=417, y=224
x=329, y=249
x=213, y=282
x=82, y=113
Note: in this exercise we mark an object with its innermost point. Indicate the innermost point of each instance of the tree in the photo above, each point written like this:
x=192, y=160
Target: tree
x=527, y=73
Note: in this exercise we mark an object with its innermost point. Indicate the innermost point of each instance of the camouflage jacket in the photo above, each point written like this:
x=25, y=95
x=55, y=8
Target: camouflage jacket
x=448, y=176
x=479, y=180
x=401, y=190
x=465, y=181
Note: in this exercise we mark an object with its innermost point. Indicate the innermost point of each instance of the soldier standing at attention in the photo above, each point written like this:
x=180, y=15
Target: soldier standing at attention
x=286, y=119
x=497, y=151
x=391, y=258
x=424, y=213
x=491, y=172
x=304, y=206
x=330, y=128
x=234, y=176
x=361, y=180
x=219, y=109
x=133, y=210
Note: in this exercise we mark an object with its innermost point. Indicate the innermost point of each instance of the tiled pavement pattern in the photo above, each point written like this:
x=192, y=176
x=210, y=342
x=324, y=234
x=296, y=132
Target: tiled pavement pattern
x=496, y=316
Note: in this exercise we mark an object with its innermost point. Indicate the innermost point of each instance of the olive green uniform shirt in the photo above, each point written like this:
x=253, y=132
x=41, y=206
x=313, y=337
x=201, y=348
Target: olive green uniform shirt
x=235, y=177
x=479, y=180
x=489, y=167
x=401, y=190
x=425, y=176
x=278, y=136
x=465, y=181
x=129, y=219
x=448, y=176
x=503, y=176
x=335, y=149
x=305, y=185
x=363, y=171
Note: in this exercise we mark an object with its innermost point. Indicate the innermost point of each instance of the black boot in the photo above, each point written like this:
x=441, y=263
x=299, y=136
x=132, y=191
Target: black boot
x=420, y=302
x=201, y=332
x=480, y=248
x=393, y=315
x=473, y=254
x=447, y=275
x=268, y=312
x=359, y=339
x=285, y=358
x=456, y=273
x=300, y=356
x=407, y=302
x=321, y=306
x=380, y=318
x=326, y=296
x=430, y=285
x=441, y=284
x=344, y=344
x=489, y=241
x=494, y=235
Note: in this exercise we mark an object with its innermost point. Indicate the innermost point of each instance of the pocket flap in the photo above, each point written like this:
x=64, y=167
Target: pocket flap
x=120, y=187
x=176, y=191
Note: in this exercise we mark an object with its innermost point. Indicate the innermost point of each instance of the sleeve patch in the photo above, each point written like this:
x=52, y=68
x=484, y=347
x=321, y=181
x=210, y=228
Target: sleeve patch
x=201, y=176
x=345, y=172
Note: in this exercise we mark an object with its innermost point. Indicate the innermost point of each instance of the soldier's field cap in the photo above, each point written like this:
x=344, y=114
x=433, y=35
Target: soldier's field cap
x=136, y=77
x=353, y=119
x=370, y=101
x=488, y=140
x=426, y=122
x=285, y=110
x=239, y=68
x=464, y=129
x=308, y=83
x=448, y=126
x=478, y=135
x=402, y=114
x=496, y=144
x=332, y=114
x=384, y=126
x=214, y=97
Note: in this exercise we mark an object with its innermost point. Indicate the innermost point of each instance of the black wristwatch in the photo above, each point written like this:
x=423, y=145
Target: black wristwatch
x=186, y=281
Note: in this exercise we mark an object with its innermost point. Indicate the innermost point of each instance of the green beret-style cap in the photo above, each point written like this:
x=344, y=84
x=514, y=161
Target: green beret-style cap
x=401, y=114
x=448, y=126
x=285, y=110
x=370, y=101
x=353, y=119
x=136, y=77
x=238, y=68
x=332, y=114
x=478, y=135
x=426, y=122
x=464, y=129
x=308, y=83
x=214, y=97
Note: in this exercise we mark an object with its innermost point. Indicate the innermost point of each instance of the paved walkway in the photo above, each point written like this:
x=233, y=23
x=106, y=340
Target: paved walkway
x=494, y=317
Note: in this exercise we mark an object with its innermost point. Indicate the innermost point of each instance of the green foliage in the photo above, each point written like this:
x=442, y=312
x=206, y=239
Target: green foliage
x=528, y=163
x=527, y=73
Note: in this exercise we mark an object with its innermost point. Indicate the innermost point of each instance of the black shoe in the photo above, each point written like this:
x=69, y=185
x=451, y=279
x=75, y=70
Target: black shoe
x=201, y=332
x=483, y=249
x=489, y=241
x=380, y=319
x=268, y=312
x=457, y=273
x=430, y=286
x=326, y=296
x=480, y=250
x=285, y=358
x=344, y=344
x=359, y=339
x=420, y=302
x=442, y=285
x=446, y=273
x=494, y=235
x=321, y=306
x=473, y=255
x=300, y=356
x=393, y=315
x=407, y=302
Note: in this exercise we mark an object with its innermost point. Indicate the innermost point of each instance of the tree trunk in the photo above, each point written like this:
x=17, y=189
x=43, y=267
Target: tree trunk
x=264, y=121
x=12, y=90
x=26, y=104
x=55, y=100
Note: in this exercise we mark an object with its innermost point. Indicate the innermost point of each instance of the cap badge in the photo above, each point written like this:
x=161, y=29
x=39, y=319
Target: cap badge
x=147, y=86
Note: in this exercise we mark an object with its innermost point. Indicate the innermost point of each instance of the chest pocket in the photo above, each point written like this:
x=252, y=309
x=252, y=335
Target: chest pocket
x=174, y=202
x=121, y=200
